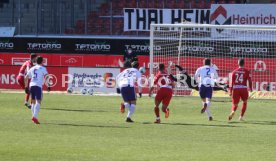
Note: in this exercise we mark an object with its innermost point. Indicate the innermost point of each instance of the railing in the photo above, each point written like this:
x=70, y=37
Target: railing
x=80, y=17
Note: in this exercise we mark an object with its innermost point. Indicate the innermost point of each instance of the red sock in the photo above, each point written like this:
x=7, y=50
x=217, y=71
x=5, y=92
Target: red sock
x=234, y=108
x=244, y=105
x=156, y=110
x=27, y=96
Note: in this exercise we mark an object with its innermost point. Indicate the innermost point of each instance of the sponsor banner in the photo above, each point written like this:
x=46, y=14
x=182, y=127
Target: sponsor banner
x=21, y=61
x=6, y=44
x=263, y=95
x=58, y=75
x=83, y=60
x=98, y=79
x=239, y=14
x=75, y=45
x=139, y=19
x=8, y=76
x=38, y=45
x=205, y=48
x=141, y=47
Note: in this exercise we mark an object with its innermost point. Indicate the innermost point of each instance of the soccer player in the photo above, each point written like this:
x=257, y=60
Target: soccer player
x=127, y=64
x=22, y=72
x=164, y=93
x=36, y=74
x=192, y=83
x=239, y=89
x=126, y=82
x=205, y=77
x=130, y=55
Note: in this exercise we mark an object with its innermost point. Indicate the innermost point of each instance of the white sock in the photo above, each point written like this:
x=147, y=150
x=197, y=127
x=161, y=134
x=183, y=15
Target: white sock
x=32, y=108
x=126, y=105
x=208, y=111
x=36, y=110
x=208, y=103
x=131, y=110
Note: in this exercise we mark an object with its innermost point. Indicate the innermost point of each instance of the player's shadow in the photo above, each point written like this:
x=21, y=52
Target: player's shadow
x=82, y=125
x=256, y=122
x=187, y=124
x=73, y=110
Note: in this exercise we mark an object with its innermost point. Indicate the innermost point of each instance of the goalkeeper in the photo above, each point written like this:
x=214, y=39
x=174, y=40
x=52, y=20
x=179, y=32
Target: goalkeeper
x=191, y=83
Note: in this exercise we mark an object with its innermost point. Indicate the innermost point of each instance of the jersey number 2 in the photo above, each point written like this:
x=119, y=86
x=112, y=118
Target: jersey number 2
x=208, y=71
x=239, y=78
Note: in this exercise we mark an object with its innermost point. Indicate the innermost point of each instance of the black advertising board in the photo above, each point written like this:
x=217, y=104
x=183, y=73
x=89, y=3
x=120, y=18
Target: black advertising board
x=74, y=45
x=202, y=48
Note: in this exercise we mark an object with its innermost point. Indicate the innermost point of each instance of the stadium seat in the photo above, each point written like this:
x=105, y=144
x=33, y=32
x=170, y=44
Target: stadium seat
x=104, y=9
x=143, y=4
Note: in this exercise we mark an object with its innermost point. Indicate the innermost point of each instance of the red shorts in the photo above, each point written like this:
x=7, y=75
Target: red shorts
x=239, y=93
x=164, y=95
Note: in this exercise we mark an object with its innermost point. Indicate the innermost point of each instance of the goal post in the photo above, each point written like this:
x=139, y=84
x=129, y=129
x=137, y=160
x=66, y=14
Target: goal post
x=188, y=44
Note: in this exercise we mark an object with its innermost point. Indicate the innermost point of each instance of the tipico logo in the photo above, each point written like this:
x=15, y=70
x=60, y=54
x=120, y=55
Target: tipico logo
x=200, y=47
x=96, y=46
x=48, y=45
x=249, y=49
x=143, y=47
x=6, y=44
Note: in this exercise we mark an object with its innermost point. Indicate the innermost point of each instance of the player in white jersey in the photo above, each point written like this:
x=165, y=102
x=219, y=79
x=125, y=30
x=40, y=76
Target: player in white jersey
x=126, y=86
x=206, y=77
x=37, y=74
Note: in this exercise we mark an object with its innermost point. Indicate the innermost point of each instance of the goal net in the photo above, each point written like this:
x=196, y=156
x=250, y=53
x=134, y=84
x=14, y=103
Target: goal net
x=188, y=44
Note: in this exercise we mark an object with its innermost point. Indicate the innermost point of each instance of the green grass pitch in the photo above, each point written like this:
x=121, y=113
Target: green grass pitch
x=88, y=128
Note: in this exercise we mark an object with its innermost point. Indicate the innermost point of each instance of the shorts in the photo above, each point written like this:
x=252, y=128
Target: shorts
x=20, y=81
x=239, y=93
x=164, y=95
x=128, y=94
x=36, y=92
x=205, y=92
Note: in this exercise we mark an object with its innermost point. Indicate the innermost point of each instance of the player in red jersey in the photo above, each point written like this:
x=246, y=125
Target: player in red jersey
x=239, y=89
x=164, y=93
x=22, y=72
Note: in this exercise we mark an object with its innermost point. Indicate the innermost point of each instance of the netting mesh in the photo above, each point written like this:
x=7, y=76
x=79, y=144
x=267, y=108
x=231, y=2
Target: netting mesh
x=188, y=45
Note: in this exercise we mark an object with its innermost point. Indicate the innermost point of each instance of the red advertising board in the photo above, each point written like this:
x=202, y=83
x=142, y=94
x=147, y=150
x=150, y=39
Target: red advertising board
x=79, y=60
x=8, y=76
